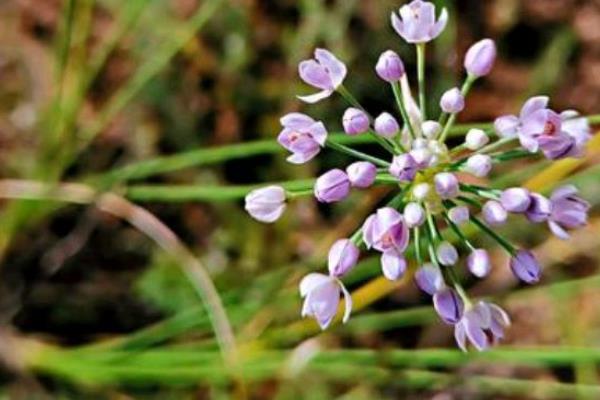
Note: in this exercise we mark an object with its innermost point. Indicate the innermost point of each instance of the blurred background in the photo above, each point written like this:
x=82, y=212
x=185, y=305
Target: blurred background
x=135, y=96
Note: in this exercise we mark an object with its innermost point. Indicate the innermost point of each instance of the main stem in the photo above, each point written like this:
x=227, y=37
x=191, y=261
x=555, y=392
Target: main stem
x=421, y=77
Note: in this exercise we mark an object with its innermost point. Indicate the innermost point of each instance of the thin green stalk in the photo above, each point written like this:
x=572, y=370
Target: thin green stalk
x=402, y=108
x=421, y=78
x=357, y=154
x=484, y=228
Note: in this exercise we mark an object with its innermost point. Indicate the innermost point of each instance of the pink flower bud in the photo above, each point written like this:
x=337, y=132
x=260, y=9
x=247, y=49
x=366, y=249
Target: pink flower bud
x=332, y=186
x=452, y=101
x=361, y=174
x=389, y=66
x=355, y=121
x=480, y=58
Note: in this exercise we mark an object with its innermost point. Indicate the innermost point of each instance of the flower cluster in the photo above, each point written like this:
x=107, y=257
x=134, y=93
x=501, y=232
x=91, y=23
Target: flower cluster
x=432, y=192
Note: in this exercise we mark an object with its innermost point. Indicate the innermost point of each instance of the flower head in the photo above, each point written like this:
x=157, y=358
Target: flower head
x=569, y=211
x=417, y=22
x=448, y=305
x=525, y=266
x=266, y=204
x=324, y=72
x=482, y=325
x=355, y=121
x=321, y=295
x=343, y=256
x=303, y=136
x=390, y=67
x=386, y=230
x=404, y=167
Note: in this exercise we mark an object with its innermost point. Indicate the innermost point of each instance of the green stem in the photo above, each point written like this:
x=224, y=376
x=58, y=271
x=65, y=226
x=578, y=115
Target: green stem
x=503, y=242
x=357, y=154
x=421, y=78
x=402, y=108
x=417, y=244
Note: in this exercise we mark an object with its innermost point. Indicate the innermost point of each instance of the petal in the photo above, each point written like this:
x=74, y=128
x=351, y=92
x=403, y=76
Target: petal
x=460, y=336
x=296, y=120
x=393, y=265
x=534, y=104
x=314, y=98
x=507, y=126
x=347, y=303
x=397, y=24
x=476, y=335
x=558, y=230
x=563, y=191
x=337, y=70
x=312, y=281
x=440, y=24
x=318, y=132
x=315, y=74
x=301, y=158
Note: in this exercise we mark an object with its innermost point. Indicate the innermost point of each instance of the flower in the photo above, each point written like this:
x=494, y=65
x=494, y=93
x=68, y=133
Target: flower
x=542, y=129
x=386, y=125
x=480, y=58
x=389, y=66
x=525, y=266
x=417, y=24
x=494, y=213
x=483, y=325
x=459, y=215
x=266, y=204
x=361, y=174
x=332, y=186
x=324, y=72
x=429, y=279
x=303, y=136
x=386, y=230
x=452, y=101
x=431, y=129
x=515, y=200
x=479, y=263
x=479, y=165
x=355, y=121
x=403, y=167
x=343, y=256
x=393, y=264
x=476, y=139
x=448, y=305
x=321, y=295
x=578, y=128
x=539, y=209
x=569, y=211
x=414, y=214
x=446, y=185
x=510, y=125
x=447, y=254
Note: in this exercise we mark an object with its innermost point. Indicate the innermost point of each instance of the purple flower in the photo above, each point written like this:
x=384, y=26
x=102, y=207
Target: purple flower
x=303, y=136
x=494, y=213
x=515, y=200
x=266, y=204
x=355, y=121
x=479, y=263
x=542, y=129
x=510, y=125
x=459, y=215
x=343, y=256
x=389, y=66
x=403, y=167
x=417, y=24
x=422, y=157
x=446, y=185
x=539, y=209
x=525, y=266
x=480, y=58
x=479, y=165
x=414, y=214
x=321, y=295
x=569, y=211
x=483, y=325
x=578, y=128
x=361, y=174
x=386, y=230
x=429, y=279
x=332, y=186
x=324, y=72
x=448, y=305
x=446, y=254
x=393, y=264
x=452, y=101
x=386, y=125
x=476, y=139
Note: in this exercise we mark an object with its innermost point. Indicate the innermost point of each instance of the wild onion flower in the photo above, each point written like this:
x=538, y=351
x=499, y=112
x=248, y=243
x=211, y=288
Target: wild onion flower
x=431, y=176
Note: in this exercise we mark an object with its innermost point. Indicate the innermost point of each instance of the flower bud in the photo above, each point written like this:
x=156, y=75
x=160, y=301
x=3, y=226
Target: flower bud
x=515, y=200
x=447, y=254
x=459, y=215
x=476, y=139
x=479, y=165
x=479, y=263
x=431, y=129
x=332, y=186
x=355, y=121
x=525, y=266
x=403, y=167
x=419, y=143
x=386, y=125
x=540, y=208
x=452, y=101
x=422, y=157
x=448, y=305
x=414, y=214
x=343, y=256
x=429, y=279
x=494, y=213
x=389, y=66
x=446, y=185
x=393, y=264
x=266, y=204
x=480, y=58
x=421, y=191
x=361, y=174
